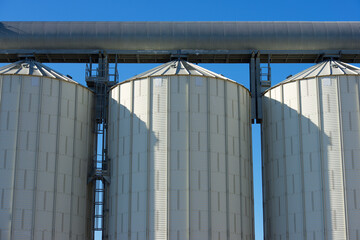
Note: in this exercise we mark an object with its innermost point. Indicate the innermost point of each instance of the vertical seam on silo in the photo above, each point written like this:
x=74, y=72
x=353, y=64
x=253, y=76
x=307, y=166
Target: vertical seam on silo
x=240, y=162
x=1, y=83
x=90, y=151
x=266, y=152
x=301, y=159
x=358, y=110
x=284, y=158
x=266, y=171
x=149, y=122
x=56, y=160
x=117, y=198
x=130, y=156
x=37, y=149
x=15, y=158
x=226, y=162
x=1, y=87
x=209, y=158
x=358, y=94
x=342, y=155
x=320, y=119
x=73, y=162
x=108, y=201
x=189, y=159
x=249, y=134
x=168, y=155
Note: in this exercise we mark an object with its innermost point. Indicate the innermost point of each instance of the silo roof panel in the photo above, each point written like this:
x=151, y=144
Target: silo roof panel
x=178, y=67
x=32, y=68
x=323, y=69
x=326, y=68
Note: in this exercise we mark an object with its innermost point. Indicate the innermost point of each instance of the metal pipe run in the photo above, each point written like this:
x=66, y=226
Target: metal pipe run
x=181, y=35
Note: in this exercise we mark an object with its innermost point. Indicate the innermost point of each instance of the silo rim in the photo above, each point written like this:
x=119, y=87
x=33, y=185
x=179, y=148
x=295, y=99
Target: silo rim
x=307, y=78
x=183, y=75
x=179, y=68
x=58, y=79
x=320, y=68
x=32, y=68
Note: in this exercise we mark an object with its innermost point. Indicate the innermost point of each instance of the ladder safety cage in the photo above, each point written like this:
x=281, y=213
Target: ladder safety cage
x=100, y=80
x=260, y=80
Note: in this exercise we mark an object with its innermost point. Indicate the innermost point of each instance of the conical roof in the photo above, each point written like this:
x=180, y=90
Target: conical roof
x=326, y=68
x=33, y=68
x=323, y=69
x=178, y=67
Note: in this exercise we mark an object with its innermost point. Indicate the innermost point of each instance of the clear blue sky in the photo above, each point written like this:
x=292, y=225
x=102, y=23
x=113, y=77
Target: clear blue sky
x=210, y=10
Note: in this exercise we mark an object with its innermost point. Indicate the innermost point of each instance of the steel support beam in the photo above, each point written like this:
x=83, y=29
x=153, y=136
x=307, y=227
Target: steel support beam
x=195, y=56
x=255, y=88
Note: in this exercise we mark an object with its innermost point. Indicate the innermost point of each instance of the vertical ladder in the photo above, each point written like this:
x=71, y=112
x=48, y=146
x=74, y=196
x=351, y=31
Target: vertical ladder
x=265, y=75
x=100, y=80
x=260, y=80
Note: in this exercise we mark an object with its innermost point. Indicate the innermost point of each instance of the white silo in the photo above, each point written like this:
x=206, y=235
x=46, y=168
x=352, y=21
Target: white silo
x=180, y=149
x=45, y=146
x=311, y=152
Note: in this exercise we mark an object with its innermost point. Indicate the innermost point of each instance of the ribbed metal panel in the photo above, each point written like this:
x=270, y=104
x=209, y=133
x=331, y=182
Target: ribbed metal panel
x=311, y=139
x=33, y=68
x=190, y=173
x=45, y=146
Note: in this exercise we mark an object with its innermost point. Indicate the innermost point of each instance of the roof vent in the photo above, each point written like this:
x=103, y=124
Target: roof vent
x=25, y=65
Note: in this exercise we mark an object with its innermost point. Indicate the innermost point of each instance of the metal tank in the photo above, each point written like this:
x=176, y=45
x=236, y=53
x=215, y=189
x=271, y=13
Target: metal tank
x=45, y=147
x=311, y=152
x=180, y=148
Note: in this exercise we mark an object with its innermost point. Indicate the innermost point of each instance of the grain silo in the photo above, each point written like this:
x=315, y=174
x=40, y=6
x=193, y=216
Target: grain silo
x=180, y=149
x=311, y=152
x=45, y=147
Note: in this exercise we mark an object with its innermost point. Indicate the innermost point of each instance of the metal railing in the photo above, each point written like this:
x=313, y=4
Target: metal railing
x=100, y=80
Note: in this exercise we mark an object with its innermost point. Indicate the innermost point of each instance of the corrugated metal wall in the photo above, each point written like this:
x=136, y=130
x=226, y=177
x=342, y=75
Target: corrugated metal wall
x=180, y=148
x=45, y=147
x=311, y=148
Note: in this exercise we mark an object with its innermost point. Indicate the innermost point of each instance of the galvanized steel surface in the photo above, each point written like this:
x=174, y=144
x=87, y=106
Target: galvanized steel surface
x=326, y=68
x=311, y=147
x=33, y=68
x=322, y=69
x=179, y=68
x=180, y=148
x=45, y=147
x=181, y=35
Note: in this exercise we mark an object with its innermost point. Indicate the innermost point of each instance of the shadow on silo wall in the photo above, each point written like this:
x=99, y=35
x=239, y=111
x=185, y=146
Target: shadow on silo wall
x=45, y=132
x=195, y=196
x=303, y=179
x=133, y=181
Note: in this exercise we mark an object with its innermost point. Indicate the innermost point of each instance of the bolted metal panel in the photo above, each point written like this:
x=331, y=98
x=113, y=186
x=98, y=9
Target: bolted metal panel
x=311, y=138
x=181, y=151
x=33, y=68
x=45, y=146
